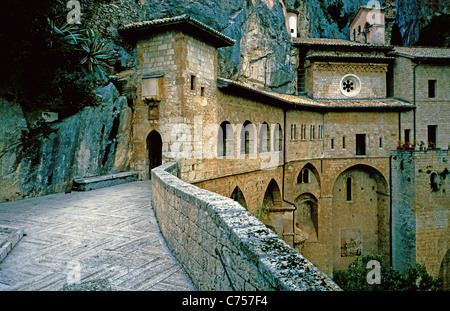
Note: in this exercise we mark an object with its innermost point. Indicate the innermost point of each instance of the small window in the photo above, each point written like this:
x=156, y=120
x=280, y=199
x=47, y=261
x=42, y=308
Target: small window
x=303, y=177
x=193, y=82
x=320, y=132
x=432, y=136
x=407, y=136
x=202, y=91
x=360, y=144
x=303, y=132
x=350, y=85
x=293, y=132
x=381, y=142
x=343, y=142
x=431, y=88
x=312, y=132
x=349, y=189
x=332, y=143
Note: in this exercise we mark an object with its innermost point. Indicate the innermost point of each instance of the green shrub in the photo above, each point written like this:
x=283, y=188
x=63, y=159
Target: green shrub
x=416, y=277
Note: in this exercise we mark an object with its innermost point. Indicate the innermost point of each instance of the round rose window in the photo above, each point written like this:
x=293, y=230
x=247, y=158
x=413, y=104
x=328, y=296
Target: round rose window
x=350, y=85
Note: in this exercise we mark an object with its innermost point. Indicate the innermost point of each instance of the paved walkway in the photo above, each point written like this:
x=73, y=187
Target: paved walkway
x=109, y=234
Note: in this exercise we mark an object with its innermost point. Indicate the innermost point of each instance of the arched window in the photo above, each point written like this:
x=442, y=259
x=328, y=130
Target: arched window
x=224, y=139
x=264, y=138
x=247, y=138
x=349, y=189
x=303, y=177
x=278, y=138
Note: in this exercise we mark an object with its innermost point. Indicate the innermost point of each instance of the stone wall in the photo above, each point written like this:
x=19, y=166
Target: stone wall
x=221, y=246
x=429, y=111
x=326, y=79
x=420, y=228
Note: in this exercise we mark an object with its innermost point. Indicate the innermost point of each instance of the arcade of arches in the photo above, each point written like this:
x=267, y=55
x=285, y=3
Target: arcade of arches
x=316, y=208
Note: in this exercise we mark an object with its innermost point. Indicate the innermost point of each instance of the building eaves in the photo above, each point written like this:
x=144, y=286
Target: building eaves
x=356, y=58
x=184, y=23
x=337, y=43
x=423, y=53
x=306, y=103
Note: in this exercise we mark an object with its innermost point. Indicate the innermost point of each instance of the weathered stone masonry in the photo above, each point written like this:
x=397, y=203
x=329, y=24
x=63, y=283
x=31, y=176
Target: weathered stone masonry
x=420, y=216
x=221, y=246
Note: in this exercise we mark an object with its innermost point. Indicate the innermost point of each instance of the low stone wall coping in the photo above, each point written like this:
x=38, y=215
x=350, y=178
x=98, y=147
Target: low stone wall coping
x=275, y=264
x=95, y=182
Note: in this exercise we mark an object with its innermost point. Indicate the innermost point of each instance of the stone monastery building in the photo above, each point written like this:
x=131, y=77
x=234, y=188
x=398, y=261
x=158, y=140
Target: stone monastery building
x=319, y=167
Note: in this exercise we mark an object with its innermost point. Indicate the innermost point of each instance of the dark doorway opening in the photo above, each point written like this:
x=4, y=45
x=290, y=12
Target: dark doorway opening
x=154, y=149
x=432, y=136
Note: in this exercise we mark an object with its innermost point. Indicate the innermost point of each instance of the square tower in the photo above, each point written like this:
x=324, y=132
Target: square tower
x=176, y=74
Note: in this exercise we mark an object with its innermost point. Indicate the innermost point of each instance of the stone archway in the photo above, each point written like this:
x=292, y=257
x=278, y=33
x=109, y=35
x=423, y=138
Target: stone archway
x=154, y=149
x=239, y=197
x=272, y=196
x=360, y=215
x=307, y=216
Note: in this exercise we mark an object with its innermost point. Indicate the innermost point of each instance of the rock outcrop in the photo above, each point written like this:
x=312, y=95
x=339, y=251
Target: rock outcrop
x=93, y=142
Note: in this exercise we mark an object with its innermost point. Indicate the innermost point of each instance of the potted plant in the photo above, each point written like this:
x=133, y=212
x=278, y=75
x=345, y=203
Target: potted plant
x=431, y=145
x=399, y=145
x=421, y=145
x=406, y=145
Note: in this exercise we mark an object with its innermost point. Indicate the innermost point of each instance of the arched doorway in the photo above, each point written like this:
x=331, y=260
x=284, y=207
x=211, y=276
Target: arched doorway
x=154, y=149
x=307, y=216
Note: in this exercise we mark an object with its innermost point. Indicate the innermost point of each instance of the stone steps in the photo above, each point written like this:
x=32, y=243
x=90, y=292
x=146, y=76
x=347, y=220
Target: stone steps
x=11, y=238
x=96, y=182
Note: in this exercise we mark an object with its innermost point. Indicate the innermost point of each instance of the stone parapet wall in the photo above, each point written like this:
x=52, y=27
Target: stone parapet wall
x=221, y=246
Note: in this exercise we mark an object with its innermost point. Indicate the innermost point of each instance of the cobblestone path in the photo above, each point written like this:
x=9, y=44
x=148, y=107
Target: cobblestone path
x=106, y=235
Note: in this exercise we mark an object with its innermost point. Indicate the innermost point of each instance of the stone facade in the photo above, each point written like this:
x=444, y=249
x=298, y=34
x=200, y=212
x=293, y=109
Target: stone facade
x=315, y=169
x=420, y=210
x=413, y=76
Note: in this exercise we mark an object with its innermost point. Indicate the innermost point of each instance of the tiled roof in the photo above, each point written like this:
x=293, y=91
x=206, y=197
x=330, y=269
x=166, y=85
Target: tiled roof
x=335, y=42
x=225, y=40
x=300, y=101
x=422, y=52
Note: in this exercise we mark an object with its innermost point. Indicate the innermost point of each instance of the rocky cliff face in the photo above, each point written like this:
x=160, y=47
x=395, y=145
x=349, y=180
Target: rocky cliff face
x=45, y=158
x=37, y=158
